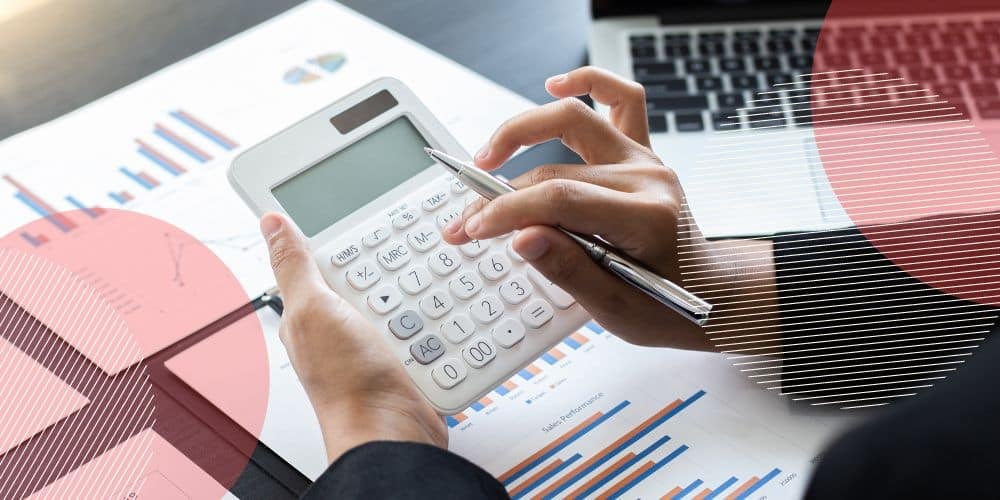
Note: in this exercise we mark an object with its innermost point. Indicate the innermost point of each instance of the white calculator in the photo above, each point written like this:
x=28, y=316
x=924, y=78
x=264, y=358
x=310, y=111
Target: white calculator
x=355, y=179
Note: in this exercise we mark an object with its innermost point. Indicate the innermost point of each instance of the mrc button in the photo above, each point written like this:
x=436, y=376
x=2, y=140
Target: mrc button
x=394, y=256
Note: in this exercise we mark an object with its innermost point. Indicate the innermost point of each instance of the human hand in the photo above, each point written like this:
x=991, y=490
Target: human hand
x=624, y=194
x=358, y=389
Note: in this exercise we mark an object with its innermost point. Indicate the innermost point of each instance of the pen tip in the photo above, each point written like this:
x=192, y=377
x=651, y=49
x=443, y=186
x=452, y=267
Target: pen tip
x=430, y=151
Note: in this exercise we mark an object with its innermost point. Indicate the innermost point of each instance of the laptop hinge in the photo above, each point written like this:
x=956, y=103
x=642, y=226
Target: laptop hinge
x=735, y=13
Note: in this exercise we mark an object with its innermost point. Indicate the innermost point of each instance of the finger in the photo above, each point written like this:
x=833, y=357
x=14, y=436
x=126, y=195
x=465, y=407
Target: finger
x=627, y=99
x=580, y=128
x=292, y=263
x=610, y=176
x=572, y=205
x=567, y=265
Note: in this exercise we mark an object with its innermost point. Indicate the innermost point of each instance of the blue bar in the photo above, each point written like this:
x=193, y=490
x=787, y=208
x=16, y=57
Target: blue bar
x=594, y=327
x=138, y=180
x=567, y=442
x=164, y=165
x=572, y=343
x=651, y=448
x=659, y=465
x=650, y=428
x=84, y=208
x=31, y=240
x=550, y=359
x=501, y=390
x=201, y=130
x=452, y=422
x=181, y=146
x=689, y=489
x=548, y=475
x=756, y=486
x=722, y=487
x=41, y=211
x=477, y=406
x=525, y=374
x=119, y=199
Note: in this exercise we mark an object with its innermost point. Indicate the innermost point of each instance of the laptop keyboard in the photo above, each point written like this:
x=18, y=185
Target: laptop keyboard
x=697, y=78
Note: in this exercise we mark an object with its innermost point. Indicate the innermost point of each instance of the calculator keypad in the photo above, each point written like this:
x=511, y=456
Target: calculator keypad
x=453, y=308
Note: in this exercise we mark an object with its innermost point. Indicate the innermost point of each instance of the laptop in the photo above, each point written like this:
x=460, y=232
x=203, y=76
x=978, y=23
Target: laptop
x=708, y=64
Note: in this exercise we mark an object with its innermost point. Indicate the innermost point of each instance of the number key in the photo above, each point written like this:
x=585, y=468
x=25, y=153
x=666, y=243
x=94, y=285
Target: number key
x=494, y=267
x=458, y=328
x=516, y=290
x=449, y=373
x=437, y=304
x=486, y=309
x=479, y=352
x=416, y=280
x=444, y=261
x=466, y=285
x=474, y=248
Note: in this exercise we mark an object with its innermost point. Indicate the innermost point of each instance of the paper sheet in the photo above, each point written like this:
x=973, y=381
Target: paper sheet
x=161, y=146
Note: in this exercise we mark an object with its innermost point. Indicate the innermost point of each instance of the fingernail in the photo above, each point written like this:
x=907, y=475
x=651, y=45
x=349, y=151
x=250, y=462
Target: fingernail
x=483, y=153
x=533, y=248
x=472, y=224
x=556, y=79
x=453, y=226
x=270, y=225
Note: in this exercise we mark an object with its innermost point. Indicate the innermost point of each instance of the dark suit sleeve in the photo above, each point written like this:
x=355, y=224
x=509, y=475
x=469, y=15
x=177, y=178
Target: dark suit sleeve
x=400, y=470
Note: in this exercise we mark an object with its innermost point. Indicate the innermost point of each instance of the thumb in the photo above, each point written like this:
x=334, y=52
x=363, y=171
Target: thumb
x=291, y=260
x=567, y=265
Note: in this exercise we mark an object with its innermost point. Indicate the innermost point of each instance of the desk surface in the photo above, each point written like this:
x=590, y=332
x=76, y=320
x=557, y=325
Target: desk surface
x=57, y=56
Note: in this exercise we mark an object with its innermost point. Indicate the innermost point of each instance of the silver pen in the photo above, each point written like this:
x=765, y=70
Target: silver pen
x=663, y=290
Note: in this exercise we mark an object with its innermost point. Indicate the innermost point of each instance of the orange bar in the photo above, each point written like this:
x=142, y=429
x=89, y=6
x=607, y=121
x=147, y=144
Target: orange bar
x=459, y=416
x=556, y=353
x=743, y=487
x=670, y=494
x=534, y=370
x=594, y=480
x=609, y=448
x=486, y=401
x=704, y=493
x=625, y=480
x=580, y=338
x=534, y=477
x=510, y=385
x=503, y=477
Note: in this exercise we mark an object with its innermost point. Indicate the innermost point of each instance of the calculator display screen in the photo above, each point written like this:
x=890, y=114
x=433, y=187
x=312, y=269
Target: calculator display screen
x=349, y=179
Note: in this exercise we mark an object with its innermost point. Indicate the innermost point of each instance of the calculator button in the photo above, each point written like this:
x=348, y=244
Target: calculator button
x=443, y=219
x=435, y=201
x=508, y=333
x=474, y=248
x=406, y=324
x=458, y=187
x=405, y=219
x=449, y=373
x=427, y=349
x=516, y=257
x=423, y=238
x=479, y=352
x=516, y=290
x=376, y=237
x=472, y=197
x=559, y=297
x=495, y=266
x=444, y=261
x=466, y=285
x=385, y=299
x=345, y=255
x=458, y=328
x=415, y=280
x=486, y=309
x=363, y=275
x=536, y=313
x=437, y=304
x=394, y=256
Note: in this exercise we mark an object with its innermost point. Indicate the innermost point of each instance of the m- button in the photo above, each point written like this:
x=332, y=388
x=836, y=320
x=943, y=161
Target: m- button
x=394, y=256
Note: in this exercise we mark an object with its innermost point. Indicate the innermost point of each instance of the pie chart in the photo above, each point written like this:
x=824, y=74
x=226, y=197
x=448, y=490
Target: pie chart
x=330, y=62
x=297, y=75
